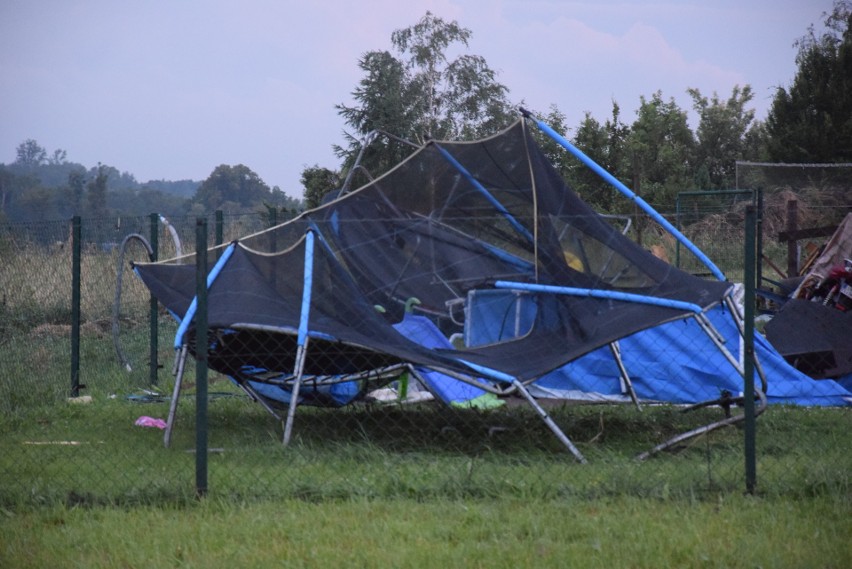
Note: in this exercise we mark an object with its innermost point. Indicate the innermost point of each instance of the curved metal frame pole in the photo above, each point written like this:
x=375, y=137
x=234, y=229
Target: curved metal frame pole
x=116, y=306
x=705, y=429
x=365, y=142
x=180, y=365
x=175, y=238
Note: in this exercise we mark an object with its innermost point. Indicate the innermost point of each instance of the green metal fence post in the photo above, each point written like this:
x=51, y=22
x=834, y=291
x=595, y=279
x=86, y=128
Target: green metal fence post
x=748, y=340
x=153, y=363
x=759, y=229
x=201, y=358
x=76, y=260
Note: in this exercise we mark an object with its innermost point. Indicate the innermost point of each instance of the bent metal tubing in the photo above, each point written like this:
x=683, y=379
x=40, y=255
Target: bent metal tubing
x=705, y=429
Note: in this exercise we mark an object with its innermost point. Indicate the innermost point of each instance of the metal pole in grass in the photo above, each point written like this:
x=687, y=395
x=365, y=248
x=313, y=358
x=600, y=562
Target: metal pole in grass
x=76, y=247
x=153, y=344
x=201, y=358
x=748, y=340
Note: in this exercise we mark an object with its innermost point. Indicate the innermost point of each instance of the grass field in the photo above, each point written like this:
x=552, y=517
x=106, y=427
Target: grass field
x=383, y=488
x=729, y=531
x=424, y=486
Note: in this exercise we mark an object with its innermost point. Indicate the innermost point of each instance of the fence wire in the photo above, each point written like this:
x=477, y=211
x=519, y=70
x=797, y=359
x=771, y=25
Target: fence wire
x=394, y=439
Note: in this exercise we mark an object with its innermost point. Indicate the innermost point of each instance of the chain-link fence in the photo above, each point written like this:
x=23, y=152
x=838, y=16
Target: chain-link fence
x=83, y=394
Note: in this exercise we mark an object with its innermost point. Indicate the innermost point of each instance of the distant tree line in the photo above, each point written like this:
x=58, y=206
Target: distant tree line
x=418, y=92
x=39, y=186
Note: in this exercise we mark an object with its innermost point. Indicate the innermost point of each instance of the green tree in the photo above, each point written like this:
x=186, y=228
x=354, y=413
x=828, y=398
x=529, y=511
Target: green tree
x=30, y=155
x=116, y=180
x=285, y=205
x=38, y=204
x=812, y=120
x=136, y=202
x=607, y=145
x=76, y=189
x=58, y=158
x=236, y=189
x=755, y=142
x=96, y=195
x=721, y=136
x=318, y=182
x=661, y=147
x=591, y=138
x=556, y=155
x=454, y=98
x=421, y=93
x=9, y=187
x=384, y=103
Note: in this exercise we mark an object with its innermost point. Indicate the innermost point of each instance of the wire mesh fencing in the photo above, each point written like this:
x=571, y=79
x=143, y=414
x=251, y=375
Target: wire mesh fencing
x=123, y=427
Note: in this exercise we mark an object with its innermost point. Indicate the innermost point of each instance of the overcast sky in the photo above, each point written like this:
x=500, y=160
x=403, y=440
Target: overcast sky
x=170, y=89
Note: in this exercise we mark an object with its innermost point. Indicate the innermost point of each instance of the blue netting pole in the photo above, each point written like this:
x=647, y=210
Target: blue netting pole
x=614, y=182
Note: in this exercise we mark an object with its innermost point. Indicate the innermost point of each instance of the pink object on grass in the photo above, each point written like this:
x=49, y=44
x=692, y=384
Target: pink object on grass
x=150, y=422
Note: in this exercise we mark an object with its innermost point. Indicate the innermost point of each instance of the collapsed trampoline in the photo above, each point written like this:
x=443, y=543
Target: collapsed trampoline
x=373, y=285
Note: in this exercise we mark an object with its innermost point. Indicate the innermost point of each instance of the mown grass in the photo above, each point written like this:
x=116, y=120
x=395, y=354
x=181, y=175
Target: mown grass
x=367, y=452
x=730, y=531
x=94, y=454
x=382, y=486
x=408, y=486
x=400, y=487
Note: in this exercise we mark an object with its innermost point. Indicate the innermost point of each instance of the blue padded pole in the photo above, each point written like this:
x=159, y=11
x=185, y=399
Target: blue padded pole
x=491, y=199
x=302, y=338
x=613, y=181
x=193, y=306
x=306, y=291
x=604, y=294
x=489, y=373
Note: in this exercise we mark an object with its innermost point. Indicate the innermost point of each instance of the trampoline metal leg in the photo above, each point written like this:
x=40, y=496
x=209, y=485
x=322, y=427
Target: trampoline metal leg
x=180, y=365
x=551, y=424
x=738, y=319
x=624, y=376
x=254, y=396
x=717, y=340
x=294, y=395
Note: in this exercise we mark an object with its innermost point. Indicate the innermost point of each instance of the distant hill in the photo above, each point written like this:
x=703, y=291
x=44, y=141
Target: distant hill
x=56, y=176
x=42, y=191
x=40, y=188
x=181, y=188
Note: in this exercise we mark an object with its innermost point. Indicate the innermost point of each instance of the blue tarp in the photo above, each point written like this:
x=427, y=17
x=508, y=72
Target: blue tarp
x=423, y=331
x=675, y=362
